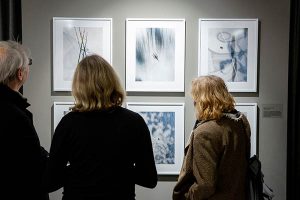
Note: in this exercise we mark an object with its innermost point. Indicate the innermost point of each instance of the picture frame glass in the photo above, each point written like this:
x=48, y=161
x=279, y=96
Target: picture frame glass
x=250, y=111
x=228, y=49
x=166, y=127
x=75, y=38
x=60, y=109
x=155, y=50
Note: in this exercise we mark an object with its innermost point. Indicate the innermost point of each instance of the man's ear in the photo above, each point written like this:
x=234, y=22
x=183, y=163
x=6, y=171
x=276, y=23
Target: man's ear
x=20, y=74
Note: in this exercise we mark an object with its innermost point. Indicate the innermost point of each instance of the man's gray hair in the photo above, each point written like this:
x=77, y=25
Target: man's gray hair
x=13, y=56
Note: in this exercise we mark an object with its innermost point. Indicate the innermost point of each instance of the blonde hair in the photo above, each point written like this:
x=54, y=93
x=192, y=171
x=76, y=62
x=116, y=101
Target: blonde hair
x=96, y=85
x=211, y=97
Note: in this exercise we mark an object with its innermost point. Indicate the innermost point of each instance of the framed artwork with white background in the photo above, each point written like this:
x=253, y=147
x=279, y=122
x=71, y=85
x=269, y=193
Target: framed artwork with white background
x=60, y=109
x=228, y=49
x=75, y=38
x=166, y=125
x=250, y=111
x=155, y=52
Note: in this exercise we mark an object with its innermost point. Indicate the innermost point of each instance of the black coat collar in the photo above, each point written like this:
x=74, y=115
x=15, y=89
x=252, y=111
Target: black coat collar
x=11, y=96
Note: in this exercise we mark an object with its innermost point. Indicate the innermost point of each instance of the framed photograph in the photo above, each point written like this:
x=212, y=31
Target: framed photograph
x=60, y=109
x=166, y=126
x=75, y=38
x=228, y=49
x=250, y=111
x=155, y=50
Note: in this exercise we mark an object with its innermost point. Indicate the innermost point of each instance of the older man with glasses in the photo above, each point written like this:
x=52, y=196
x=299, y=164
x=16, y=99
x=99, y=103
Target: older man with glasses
x=22, y=158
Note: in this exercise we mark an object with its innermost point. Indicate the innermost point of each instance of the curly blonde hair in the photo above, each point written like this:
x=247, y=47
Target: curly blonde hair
x=96, y=85
x=211, y=97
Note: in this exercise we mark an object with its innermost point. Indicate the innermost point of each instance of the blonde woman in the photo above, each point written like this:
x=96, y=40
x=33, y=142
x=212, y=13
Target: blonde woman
x=216, y=155
x=99, y=149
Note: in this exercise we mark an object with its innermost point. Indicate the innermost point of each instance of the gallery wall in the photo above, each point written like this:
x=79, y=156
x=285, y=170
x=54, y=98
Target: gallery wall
x=271, y=96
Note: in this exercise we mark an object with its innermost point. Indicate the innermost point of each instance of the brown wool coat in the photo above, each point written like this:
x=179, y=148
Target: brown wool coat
x=215, y=162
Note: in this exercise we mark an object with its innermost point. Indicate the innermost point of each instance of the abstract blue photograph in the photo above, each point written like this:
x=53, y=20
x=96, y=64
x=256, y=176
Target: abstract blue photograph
x=162, y=129
x=155, y=54
x=228, y=53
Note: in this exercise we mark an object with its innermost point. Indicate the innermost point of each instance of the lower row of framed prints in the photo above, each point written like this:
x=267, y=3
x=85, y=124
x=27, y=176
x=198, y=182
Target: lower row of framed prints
x=166, y=126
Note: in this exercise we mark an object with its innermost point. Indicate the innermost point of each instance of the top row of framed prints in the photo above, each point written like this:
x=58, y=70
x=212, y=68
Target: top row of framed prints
x=155, y=51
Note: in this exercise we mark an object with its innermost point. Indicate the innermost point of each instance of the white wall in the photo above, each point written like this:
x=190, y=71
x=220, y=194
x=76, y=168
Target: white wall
x=272, y=67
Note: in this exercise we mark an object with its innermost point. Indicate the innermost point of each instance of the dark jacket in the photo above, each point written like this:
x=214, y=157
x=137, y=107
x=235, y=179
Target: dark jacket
x=23, y=160
x=215, y=162
x=107, y=153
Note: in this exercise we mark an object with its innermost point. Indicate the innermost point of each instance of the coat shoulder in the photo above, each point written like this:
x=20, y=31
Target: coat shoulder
x=210, y=128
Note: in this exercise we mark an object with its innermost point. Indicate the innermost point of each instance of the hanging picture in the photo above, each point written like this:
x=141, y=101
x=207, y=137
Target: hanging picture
x=155, y=50
x=250, y=111
x=75, y=38
x=228, y=49
x=166, y=126
x=60, y=109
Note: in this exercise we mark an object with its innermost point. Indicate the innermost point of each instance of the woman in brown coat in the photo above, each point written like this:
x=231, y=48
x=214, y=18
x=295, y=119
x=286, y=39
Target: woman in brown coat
x=216, y=155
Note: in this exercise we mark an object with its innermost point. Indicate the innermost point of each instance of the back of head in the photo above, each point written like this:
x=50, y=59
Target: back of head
x=96, y=85
x=13, y=56
x=211, y=97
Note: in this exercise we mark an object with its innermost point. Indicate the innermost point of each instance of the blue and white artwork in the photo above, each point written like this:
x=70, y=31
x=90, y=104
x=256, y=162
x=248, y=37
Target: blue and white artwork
x=78, y=42
x=155, y=54
x=228, y=53
x=165, y=122
x=162, y=129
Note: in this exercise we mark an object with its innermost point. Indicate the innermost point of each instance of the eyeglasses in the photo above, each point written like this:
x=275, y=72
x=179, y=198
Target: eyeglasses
x=29, y=61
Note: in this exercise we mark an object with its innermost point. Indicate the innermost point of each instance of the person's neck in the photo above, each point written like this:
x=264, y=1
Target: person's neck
x=14, y=85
